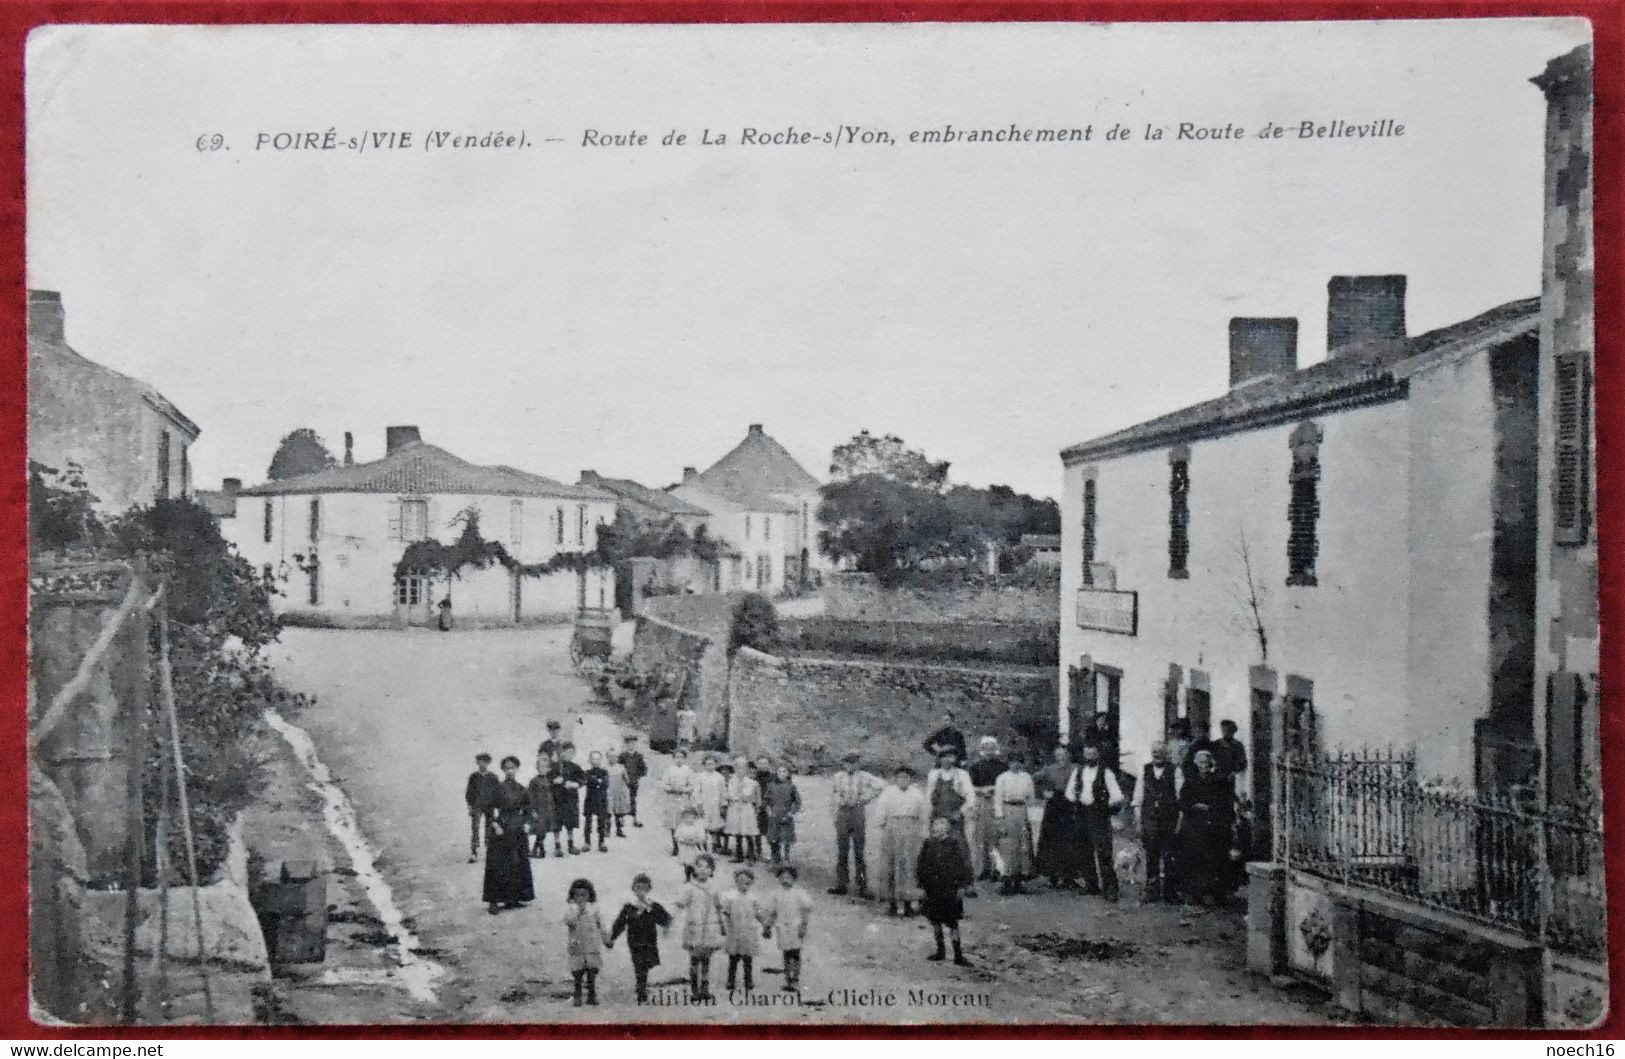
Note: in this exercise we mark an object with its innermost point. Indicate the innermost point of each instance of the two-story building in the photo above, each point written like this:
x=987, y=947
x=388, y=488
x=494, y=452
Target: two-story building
x=1330, y=555
x=765, y=505
x=332, y=539
x=130, y=441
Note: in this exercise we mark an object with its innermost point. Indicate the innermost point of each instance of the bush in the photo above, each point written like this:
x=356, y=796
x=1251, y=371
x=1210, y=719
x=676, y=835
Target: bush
x=755, y=624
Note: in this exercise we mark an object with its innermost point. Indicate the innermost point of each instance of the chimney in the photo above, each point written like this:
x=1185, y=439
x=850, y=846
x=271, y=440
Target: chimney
x=45, y=316
x=756, y=428
x=395, y=437
x=1261, y=346
x=349, y=449
x=690, y=472
x=231, y=486
x=1362, y=309
x=588, y=477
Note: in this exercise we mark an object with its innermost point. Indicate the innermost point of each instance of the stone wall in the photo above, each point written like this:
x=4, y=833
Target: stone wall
x=1007, y=643
x=661, y=646
x=812, y=710
x=861, y=597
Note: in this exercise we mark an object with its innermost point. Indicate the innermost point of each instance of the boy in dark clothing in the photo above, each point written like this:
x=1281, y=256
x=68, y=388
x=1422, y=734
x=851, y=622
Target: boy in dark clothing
x=639, y=920
x=481, y=796
x=636, y=769
x=567, y=779
x=943, y=872
x=596, y=808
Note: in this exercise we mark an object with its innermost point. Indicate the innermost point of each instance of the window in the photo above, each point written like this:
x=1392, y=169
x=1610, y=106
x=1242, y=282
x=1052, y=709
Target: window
x=1567, y=774
x=581, y=523
x=409, y=591
x=313, y=574
x=1199, y=710
x=806, y=520
x=186, y=471
x=767, y=527
x=163, y=465
x=1089, y=531
x=268, y=520
x=414, y=520
x=1303, y=508
x=747, y=527
x=1179, y=513
x=558, y=527
x=314, y=530
x=1571, y=483
x=516, y=521
x=1298, y=723
x=764, y=570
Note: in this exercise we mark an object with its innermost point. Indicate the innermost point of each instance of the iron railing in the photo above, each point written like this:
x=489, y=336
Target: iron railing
x=1362, y=818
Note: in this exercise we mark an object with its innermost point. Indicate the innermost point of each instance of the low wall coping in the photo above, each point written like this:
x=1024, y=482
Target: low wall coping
x=674, y=627
x=786, y=661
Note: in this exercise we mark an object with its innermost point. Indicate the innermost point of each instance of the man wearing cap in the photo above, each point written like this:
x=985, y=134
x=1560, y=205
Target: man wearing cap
x=1229, y=756
x=851, y=790
x=984, y=773
x=636, y=769
x=552, y=744
x=481, y=795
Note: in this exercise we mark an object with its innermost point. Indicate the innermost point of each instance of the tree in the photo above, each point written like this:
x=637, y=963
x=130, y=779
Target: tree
x=302, y=451
x=887, y=457
x=880, y=524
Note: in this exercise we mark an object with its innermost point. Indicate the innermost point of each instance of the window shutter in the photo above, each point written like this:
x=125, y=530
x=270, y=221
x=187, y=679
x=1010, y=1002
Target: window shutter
x=1089, y=531
x=395, y=519
x=1571, y=473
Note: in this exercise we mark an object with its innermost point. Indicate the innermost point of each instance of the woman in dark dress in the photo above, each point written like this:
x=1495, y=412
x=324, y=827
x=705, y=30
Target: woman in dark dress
x=507, y=861
x=1207, y=815
x=1061, y=852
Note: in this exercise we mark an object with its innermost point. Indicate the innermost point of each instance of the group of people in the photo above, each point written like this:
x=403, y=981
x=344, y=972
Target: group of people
x=515, y=821
x=730, y=807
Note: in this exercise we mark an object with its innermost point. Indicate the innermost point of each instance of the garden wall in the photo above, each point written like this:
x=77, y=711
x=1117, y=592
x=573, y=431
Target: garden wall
x=812, y=710
x=861, y=597
x=662, y=646
x=1007, y=643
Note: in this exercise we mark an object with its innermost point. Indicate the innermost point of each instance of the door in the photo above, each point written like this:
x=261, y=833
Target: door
x=412, y=600
x=1261, y=755
x=1080, y=707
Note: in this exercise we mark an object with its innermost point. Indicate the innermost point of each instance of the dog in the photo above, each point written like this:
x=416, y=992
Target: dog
x=1130, y=865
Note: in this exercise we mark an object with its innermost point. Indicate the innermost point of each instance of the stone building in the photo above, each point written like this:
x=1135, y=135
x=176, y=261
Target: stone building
x=332, y=539
x=1567, y=653
x=765, y=505
x=131, y=442
x=1335, y=554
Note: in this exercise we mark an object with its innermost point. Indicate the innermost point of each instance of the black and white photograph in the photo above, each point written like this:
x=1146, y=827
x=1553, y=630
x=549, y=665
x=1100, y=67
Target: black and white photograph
x=932, y=524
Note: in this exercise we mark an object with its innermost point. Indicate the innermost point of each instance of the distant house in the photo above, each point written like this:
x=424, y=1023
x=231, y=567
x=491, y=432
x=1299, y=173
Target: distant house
x=765, y=504
x=129, y=439
x=1044, y=549
x=333, y=538
x=652, y=505
x=222, y=502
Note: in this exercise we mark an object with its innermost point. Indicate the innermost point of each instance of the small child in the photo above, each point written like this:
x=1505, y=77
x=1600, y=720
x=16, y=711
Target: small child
x=481, y=796
x=743, y=917
x=595, y=807
x=783, y=804
x=788, y=915
x=690, y=839
x=541, y=803
x=586, y=939
x=703, y=928
x=566, y=778
x=639, y=919
x=744, y=797
x=943, y=871
x=620, y=792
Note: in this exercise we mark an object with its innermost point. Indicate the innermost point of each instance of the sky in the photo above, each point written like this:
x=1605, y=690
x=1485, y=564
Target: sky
x=633, y=310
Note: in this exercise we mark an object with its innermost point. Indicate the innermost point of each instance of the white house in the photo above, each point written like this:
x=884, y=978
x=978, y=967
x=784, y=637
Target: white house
x=332, y=539
x=1333, y=555
x=765, y=505
x=130, y=441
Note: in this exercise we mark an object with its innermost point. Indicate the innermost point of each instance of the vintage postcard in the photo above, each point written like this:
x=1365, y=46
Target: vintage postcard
x=819, y=524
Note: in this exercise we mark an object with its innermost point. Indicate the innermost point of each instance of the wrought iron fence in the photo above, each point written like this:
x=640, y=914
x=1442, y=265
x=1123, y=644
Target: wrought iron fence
x=1362, y=818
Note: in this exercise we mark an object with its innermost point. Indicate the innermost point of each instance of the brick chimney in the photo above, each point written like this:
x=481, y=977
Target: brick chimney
x=1261, y=346
x=45, y=316
x=690, y=472
x=231, y=486
x=1362, y=309
x=395, y=437
x=756, y=428
x=349, y=449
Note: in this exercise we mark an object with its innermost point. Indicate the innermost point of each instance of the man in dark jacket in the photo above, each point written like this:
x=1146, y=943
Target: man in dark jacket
x=946, y=738
x=636, y=769
x=1159, y=818
x=481, y=796
x=1229, y=756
